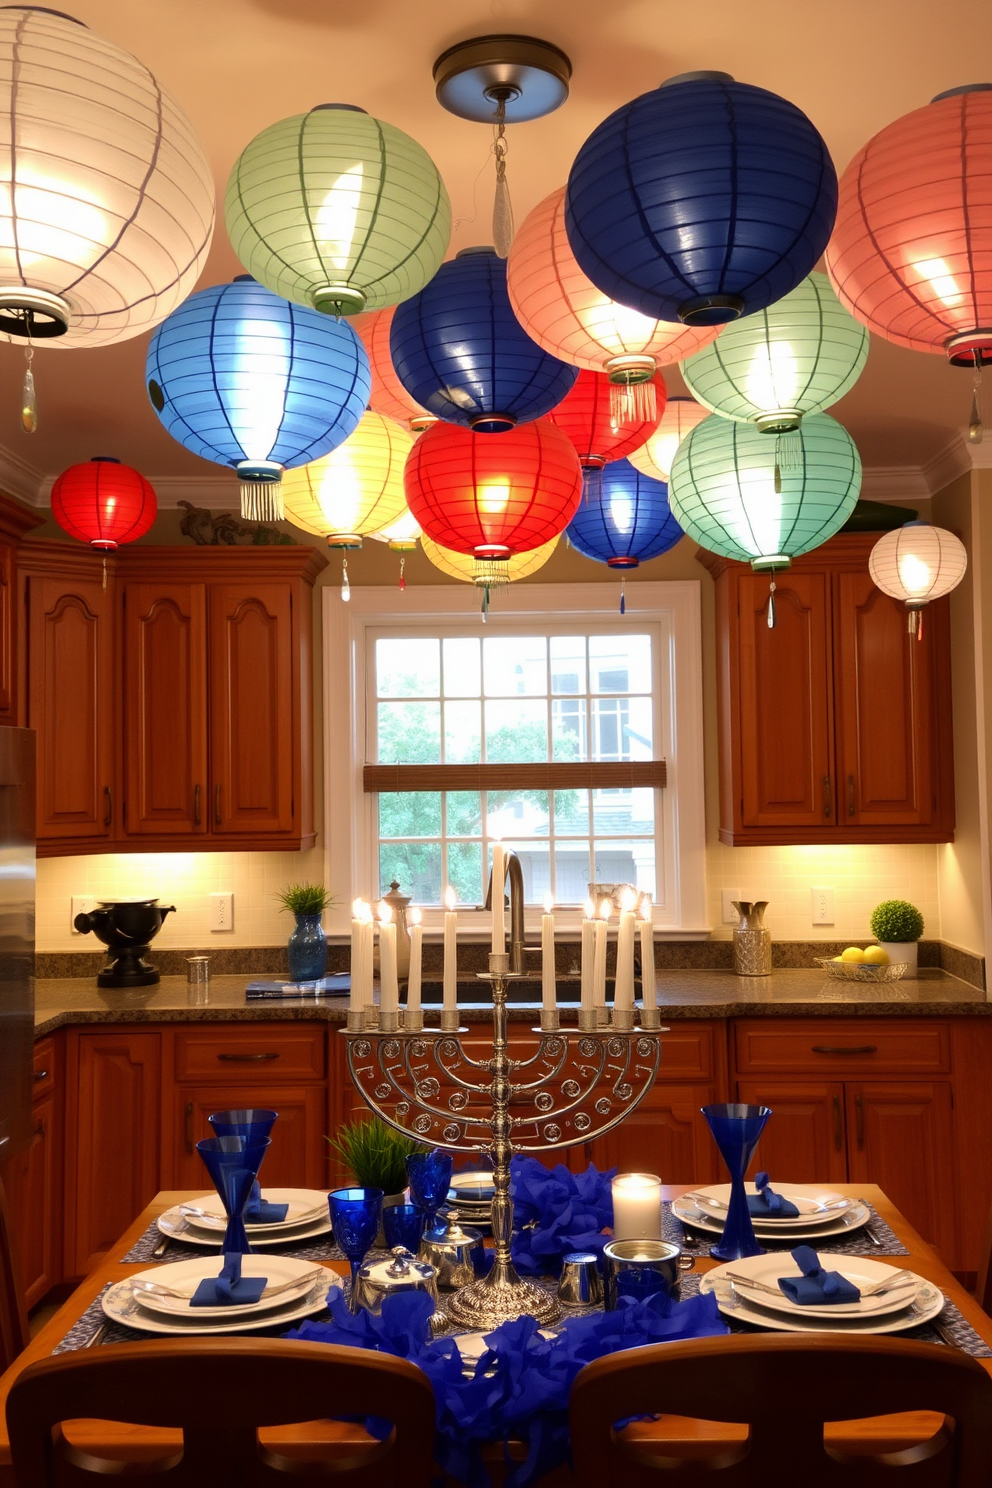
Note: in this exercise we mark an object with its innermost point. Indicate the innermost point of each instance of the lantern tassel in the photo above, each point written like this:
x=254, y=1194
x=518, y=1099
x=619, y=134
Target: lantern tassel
x=502, y=206
x=592, y=483
x=623, y=597
x=261, y=501
x=788, y=455
x=29, y=403
x=772, y=616
x=485, y=602
x=914, y=622
x=402, y=575
x=976, y=428
x=345, y=583
x=632, y=403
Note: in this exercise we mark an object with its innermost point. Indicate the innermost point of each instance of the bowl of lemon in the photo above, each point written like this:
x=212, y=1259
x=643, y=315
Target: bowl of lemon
x=871, y=964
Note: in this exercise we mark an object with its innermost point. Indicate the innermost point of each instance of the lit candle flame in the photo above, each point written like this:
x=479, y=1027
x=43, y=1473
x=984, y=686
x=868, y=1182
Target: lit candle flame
x=628, y=900
x=590, y=910
x=605, y=908
x=450, y=898
x=415, y=916
x=385, y=912
x=549, y=902
x=647, y=908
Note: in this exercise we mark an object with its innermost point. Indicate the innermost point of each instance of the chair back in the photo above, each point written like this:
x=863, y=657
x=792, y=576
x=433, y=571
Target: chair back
x=783, y=1388
x=218, y=1393
x=14, y=1335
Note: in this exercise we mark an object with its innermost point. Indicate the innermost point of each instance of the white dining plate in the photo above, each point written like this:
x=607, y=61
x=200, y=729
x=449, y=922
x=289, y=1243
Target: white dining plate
x=471, y=1188
x=846, y=1223
x=185, y=1276
x=928, y=1303
x=118, y=1306
x=807, y=1197
x=301, y=1202
x=858, y=1269
x=173, y=1225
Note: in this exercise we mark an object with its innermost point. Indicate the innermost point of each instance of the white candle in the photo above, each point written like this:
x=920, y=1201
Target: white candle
x=450, y=987
x=649, y=987
x=365, y=963
x=549, y=999
x=389, y=999
x=636, y=1207
x=357, y=930
x=499, y=908
x=599, y=956
x=588, y=955
x=623, y=994
x=416, y=961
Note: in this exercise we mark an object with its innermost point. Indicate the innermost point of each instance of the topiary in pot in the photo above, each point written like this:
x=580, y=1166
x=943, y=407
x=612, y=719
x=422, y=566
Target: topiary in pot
x=897, y=926
x=376, y=1157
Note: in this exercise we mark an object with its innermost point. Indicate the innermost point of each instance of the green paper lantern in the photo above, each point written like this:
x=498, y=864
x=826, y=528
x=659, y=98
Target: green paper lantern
x=338, y=211
x=797, y=357
x=727, y=491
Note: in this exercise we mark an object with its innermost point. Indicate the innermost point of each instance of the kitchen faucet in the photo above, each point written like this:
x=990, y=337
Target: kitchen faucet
x=515, y=874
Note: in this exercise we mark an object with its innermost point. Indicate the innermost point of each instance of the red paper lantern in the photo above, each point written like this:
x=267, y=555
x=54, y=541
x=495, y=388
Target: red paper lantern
x=584, y=415
x=911, y=254
x=103, y=503
x=493, y=495
x=388, y=395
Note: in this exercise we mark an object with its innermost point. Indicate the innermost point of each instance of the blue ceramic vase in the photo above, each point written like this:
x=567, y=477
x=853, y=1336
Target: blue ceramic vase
x=307, y=949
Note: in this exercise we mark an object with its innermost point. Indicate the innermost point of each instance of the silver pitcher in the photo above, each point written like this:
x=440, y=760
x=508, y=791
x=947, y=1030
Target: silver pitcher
x=752, y=939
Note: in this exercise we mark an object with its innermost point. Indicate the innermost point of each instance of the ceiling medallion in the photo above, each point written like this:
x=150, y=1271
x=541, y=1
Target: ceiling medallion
x=528, y=76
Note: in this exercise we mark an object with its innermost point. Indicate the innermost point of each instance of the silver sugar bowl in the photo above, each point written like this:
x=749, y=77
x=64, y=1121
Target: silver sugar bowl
x=378, y=1280
x=455, y=1253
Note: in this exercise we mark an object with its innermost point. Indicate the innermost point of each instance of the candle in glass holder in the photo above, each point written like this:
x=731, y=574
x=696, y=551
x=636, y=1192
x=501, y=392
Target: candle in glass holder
x=649, y=987
x=588, y=955
x=389, y=998
x=636, y=1207
x=548, y=989
x=623, y=994
x=416, y=962
x=450, y=986
x=599, y=956
x=498, y=900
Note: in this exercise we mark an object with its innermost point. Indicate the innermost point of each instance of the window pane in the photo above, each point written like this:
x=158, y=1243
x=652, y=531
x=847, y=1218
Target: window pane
x=516, y=666
x=619, y=663
x=409, y=733
x=409, y=668
x=522, y=813
x=535, y=861
x=465, y=871
x=464, y=814
x=626, y=862
x=571, y=872
x=627, y=811
x=568, y=664
x=639, y=737
x=516, y=732
x=462, y=733
x=572, y=813
x=462, y=667
x=416, y=866
x=410, y=814
x=568, y=728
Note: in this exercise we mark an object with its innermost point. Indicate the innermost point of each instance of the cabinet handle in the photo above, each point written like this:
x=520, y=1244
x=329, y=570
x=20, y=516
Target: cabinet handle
x=859, y=1111
x=245, y=1058
x=188, y=1127
x=828, y=798
x=108, y=815
x=850, y=795
x=217, y=806
x=39, y=1128
x=40, y=1075
x=838, y=1126
x=845, y=1049
x=196, y=805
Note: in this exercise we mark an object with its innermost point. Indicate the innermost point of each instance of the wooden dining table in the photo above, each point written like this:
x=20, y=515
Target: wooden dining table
x=691, y=1438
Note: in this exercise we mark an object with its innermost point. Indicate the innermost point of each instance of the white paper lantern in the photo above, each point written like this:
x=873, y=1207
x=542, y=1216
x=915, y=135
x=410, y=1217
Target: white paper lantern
x=106, y=196
x=917, y=563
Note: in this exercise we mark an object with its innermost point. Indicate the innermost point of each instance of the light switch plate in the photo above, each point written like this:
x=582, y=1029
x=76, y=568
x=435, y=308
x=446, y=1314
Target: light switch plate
x=730, y=915
x=80, y=904
x=220, y=911
x=823, y=906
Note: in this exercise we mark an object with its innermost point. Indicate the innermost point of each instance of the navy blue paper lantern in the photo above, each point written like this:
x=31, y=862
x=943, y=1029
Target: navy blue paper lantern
x=627, y=522
x=252, y=381
x=702, y=201
x=461, y=353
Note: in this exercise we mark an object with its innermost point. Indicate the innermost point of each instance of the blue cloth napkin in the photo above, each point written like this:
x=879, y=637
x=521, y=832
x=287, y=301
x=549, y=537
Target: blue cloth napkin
x=229, y=1288
x=816, y=1286
x=768, y=1203
x=257, y=1211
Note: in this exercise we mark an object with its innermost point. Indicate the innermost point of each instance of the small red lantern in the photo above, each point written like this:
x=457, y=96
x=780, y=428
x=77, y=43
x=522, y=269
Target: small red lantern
x=493, y=495
x=584, y=415
x=103, y=503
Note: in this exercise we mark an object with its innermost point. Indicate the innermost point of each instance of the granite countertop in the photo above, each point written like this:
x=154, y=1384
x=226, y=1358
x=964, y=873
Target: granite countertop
x=683, y=994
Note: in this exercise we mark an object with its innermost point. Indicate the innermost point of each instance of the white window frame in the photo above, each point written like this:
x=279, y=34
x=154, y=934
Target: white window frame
x=349, y=630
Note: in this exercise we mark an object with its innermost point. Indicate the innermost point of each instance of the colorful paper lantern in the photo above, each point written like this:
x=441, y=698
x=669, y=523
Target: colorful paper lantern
x=584, y=415
x=103, y=503
x=796, y=357
x=727, y=492
x=357, y=489
x=655, y=456
x=487, y=573
x=461, y=353
x=106, y=196
x=916, y=564
x=403, y=534
x=702, y=201
x=388, y=396
x=493, y=497
x=629, y=521
x=910, y=254
x=244, y=378
x=563, y=311
x=338, y=211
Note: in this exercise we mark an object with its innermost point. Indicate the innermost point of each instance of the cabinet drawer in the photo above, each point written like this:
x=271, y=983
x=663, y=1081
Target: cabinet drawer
x=229, y=1055
x=842, y=1047
x=44, y=1068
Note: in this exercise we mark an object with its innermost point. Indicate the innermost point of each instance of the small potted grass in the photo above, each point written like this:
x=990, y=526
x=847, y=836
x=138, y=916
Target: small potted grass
x=375, y=1156
x=307, y=947
x=897, y=926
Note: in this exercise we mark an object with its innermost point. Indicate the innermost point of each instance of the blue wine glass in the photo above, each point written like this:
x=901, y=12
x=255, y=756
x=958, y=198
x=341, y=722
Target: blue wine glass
x=736, y=1129
x=233, y=1163
x=429, y=1177
x=251, y=1121
x=355, y=1217
x=403, y=1225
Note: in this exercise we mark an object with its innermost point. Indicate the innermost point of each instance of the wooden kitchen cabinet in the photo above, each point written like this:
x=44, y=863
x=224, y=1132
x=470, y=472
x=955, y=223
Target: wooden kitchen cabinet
x=299, y=1156
x=15, y=522
x=33, y=1179
x=835, y=725
x=899, y=1135
x=806, y=1138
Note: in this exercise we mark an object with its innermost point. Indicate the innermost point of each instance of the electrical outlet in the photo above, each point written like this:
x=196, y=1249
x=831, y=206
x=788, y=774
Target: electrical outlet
x=730, y=915
x=823, y=906
x=220, y=911
x=80, y=904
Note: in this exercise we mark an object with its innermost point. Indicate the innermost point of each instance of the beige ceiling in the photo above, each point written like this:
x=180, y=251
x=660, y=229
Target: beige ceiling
x=238, y=65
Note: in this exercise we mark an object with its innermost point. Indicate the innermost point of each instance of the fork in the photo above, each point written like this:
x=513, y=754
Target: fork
x=876, y=1290
x=156, y=1289
x=704, y=1199
x=195, y=1213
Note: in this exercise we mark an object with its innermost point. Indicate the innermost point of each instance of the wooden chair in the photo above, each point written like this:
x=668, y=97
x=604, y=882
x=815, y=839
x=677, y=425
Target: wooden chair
x=218, y=1393
x=14, y=1335
x=783, y=1388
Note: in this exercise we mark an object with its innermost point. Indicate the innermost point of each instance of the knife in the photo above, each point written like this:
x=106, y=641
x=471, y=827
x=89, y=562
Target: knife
x=161, y=1248
x=98, y=1336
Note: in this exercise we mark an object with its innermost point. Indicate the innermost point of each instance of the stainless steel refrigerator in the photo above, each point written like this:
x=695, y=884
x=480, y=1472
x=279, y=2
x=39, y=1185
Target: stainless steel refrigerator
x=17, y=885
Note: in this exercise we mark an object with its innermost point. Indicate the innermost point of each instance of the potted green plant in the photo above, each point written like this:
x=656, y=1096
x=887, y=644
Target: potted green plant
x=307, y=948
x=375, y=1156
x=897, y=926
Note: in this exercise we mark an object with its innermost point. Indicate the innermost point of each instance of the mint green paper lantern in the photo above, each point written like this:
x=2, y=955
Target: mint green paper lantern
x=797, y=357
x=726, y=490
x=338, y=211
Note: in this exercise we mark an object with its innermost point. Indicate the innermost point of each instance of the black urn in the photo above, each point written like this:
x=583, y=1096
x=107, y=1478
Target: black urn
x=127, y=927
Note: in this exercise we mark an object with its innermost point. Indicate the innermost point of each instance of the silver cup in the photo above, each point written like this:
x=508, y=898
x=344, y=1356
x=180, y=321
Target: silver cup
x=581, y=1284
x=642, y=1268
x=197, y=980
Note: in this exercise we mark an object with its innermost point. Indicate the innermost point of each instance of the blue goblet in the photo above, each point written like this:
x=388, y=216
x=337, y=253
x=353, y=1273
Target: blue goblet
x=251, y=1121
x=355, y=1216
x=736, y=1130
x=429, y=1177
x=404, y=1225
x=233, y=1163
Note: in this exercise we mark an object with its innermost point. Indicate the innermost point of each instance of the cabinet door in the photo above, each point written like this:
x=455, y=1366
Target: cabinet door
x=31, y=1179
x=899, y=1136
x=8, y=690
x=786, y=722
x=165, y=708
x=804, y=1140
x=665, y=1135
x=298, y=1158
x=113, y=1152
x=882, y=692
x=251, y=709
x=71, y=705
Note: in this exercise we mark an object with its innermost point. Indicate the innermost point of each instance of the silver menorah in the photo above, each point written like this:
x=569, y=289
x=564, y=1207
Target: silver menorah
x=580, y=1084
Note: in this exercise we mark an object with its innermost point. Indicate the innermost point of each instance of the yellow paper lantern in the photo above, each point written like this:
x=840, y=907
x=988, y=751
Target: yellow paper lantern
x=356, y=490
x=486, y=573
